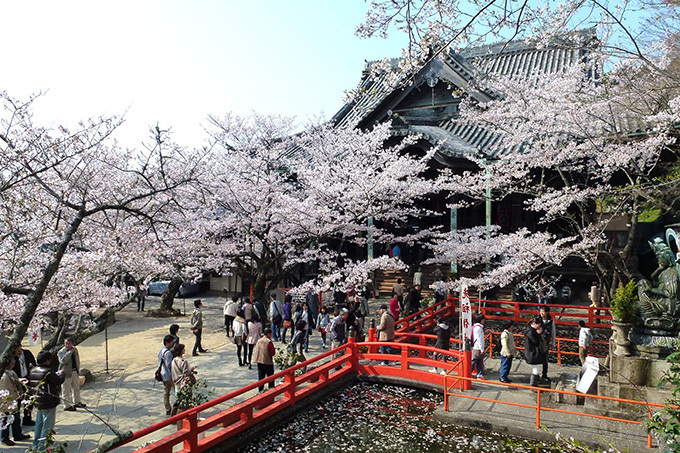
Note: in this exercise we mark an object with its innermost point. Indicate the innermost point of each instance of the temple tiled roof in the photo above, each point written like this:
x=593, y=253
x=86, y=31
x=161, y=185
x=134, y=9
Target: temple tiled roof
x=462, y=68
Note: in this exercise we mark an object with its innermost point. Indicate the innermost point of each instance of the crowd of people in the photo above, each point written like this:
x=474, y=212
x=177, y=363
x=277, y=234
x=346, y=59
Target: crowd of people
x=255, y=328
x=33, y=385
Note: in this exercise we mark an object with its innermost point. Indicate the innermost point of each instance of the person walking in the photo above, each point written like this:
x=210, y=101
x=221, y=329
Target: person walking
x=321, y=322
x=508, y=350
x=10, y=383
x=535, y=346
x=478, y=346
x=585, y=337
x=69, y=363
x=550, y=334
x=165, y=362
x=287, y=319
x=443, y=332
x=240, y=333
x=230, y=309
x=197, y=327
x=46, y=384
x=386, y=331
x=254, y=334
x=24, y=361
x=247, y=309
x=276, y=315
x=398, y=291
x=394, y=306
x=264, y=357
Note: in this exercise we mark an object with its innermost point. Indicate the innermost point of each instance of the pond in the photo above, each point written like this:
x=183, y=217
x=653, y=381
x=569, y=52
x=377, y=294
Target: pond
x=383, y=418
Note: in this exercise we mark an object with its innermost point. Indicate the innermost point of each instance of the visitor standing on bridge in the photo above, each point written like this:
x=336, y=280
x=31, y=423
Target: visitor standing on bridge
x=443, y=332
x=69, y=363
x=46, y=384
x=508, y=350
x=230, y=309
x=254, y=334
x=321, y=322
x=165, y=363
x=550, y=335
x=264, y=357
x=338, y=329
x=386, y=330
x=478, y=346
x=197, y=327
x=276, y=315
x=585, y=337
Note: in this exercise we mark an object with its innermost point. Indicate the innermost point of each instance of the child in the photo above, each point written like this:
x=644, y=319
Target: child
x=443, y=331
x=507, y=350
x=585, y=337
x=321, y=323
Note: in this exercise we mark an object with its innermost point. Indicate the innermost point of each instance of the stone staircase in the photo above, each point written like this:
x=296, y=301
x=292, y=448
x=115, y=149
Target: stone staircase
x=385, y=280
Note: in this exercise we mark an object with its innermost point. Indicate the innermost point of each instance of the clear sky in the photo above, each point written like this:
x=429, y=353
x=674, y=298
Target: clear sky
x=174, y=62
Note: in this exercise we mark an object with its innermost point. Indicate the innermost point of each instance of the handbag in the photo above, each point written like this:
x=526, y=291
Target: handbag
x=276, y=319
x=287, y=323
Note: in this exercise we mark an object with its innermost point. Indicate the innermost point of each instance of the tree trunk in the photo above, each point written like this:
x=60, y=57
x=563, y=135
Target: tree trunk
x=168, y=297
x=36, y=297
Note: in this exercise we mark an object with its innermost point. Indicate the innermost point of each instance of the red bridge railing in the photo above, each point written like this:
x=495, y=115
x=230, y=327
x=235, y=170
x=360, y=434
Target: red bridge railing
x=194, y=435
x=198, y=435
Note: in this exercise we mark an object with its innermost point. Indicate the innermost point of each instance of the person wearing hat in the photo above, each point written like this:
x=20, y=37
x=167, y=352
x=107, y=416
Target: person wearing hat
x=386, y=329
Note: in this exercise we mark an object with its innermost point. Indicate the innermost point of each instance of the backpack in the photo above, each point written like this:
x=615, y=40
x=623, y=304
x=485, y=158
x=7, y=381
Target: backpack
x=159, y=374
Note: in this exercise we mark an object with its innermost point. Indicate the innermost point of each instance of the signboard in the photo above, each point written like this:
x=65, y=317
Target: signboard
x=34, y=337
x=465, y=312
x=589, y=371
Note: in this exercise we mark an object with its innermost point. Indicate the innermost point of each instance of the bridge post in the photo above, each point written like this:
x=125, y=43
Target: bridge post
x=353, y=350
x=289, y=380
x=191, y=423
x=467, y=369
x=372, y=337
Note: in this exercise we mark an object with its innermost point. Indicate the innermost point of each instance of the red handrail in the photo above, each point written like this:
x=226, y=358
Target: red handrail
x=247, y=413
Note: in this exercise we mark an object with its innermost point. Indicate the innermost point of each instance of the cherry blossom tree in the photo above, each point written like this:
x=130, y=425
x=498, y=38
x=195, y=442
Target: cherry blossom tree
x=290, y=200
x=71, y=203
x=582, y=151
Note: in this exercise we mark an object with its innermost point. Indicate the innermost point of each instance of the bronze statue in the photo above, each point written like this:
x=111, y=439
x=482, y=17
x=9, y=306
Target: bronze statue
x=658, y=299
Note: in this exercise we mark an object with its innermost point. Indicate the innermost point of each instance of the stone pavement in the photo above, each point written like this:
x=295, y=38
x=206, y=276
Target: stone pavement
x=521, y=421
x=125, y=396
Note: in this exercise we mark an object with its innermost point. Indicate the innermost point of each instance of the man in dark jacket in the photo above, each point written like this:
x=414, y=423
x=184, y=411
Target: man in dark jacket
x=47, y=386
x=24, y=362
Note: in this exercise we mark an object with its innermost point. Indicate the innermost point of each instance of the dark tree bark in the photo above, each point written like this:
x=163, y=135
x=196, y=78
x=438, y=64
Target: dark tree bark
x=168, y=297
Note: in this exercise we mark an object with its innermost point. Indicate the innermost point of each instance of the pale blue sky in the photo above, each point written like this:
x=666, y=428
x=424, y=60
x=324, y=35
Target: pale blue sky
x=174, y=62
